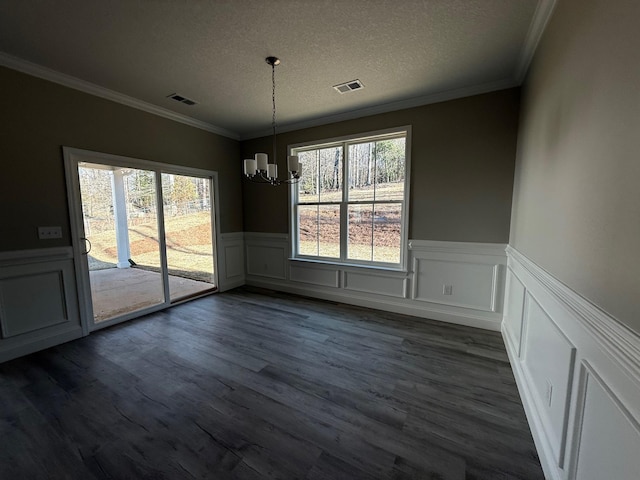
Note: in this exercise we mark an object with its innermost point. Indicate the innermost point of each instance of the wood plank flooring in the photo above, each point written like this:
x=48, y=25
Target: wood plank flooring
x=253, y=384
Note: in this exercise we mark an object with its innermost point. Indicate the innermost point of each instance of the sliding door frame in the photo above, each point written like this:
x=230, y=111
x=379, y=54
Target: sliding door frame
x=72, y=158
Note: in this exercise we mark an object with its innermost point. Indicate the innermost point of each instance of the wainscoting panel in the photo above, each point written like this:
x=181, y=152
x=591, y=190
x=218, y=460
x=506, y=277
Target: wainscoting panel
x=234, y=260
x=315, y=275
x=266, y=255
x=379, y=284
x=578, y=373
x=604, y=418
x=38, y=301
x=549, y=373
x=472, y=284
x=231, y=261
x=475, y=270
x=513, y=305
x=19, y=313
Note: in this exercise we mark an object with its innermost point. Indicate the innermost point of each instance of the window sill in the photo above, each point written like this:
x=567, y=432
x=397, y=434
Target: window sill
x=350, y=266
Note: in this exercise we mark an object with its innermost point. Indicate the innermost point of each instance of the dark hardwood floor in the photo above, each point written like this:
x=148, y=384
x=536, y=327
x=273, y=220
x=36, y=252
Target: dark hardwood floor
x=252, y=384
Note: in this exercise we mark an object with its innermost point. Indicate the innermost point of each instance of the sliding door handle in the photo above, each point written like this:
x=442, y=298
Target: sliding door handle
x=86, y=242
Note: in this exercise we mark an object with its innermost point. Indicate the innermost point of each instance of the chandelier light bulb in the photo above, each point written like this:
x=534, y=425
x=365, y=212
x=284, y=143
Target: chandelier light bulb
x=250, y=167
x=293, y=163
x=262, y=159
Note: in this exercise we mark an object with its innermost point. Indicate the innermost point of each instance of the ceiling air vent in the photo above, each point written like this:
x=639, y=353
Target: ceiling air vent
x=349, y=86
x=181, y=99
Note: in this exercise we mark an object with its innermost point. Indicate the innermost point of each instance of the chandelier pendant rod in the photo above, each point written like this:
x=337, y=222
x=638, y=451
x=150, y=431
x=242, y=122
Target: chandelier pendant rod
x=273, y=100
x=259, y=169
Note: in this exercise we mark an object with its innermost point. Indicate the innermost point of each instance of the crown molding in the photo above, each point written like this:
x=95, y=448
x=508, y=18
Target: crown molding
x=390, y=107
x=537, y=26
x=45, y=73
x=541, y=17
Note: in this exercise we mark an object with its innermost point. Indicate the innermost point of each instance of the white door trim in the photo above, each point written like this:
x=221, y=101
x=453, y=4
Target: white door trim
x=73, y=156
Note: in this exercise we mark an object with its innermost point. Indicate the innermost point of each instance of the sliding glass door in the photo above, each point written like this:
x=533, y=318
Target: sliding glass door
x=188, y=235
x=144, y=234
x=120, y=222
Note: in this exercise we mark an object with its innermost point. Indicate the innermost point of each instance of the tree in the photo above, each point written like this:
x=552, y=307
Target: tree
x=183, y=191
x=141, y=189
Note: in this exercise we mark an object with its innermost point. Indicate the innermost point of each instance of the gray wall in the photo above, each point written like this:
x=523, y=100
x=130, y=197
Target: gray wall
x=38, y=117
x=462, y=156
x=576, y=209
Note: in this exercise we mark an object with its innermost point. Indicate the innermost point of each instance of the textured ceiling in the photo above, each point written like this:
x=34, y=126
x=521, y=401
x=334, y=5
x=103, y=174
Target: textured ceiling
x=213, y=51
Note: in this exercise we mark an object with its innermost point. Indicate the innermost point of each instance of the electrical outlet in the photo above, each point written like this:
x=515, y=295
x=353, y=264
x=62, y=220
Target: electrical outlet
x=447, y=289
x=549, y=392
x=47, y=233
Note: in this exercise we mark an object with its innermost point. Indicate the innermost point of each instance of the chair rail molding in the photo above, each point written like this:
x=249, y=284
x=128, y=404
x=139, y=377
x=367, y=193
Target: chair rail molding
x=619, y=341
x=21, y=257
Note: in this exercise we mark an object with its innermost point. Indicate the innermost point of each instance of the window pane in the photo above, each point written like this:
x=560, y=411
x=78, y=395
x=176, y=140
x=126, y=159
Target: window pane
x=361, y=171
x=308, y=230
x=386, y=232
x=329, y=231
x=321, y=175
x=330, y=174
x=187, y=224
x=360, y=230
x=308, y=190
x=389, y=170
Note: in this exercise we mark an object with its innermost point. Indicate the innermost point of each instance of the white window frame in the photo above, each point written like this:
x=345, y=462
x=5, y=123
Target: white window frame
x=344, y=203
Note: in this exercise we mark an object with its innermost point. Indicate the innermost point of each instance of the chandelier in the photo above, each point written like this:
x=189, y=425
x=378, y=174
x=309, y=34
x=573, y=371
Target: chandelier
x=258, y=169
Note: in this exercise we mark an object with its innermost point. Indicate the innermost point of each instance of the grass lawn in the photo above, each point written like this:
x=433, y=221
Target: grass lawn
x=189, y=246
x=356, y=251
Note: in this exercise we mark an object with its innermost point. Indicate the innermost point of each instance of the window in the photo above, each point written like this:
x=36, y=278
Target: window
x=350, y=204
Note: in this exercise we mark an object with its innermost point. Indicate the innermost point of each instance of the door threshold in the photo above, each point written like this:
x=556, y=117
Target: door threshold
x=192, y=296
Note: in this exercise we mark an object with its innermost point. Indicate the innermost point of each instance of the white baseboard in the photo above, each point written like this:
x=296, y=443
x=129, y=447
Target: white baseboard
x=578, y=373
x=230, y=285
x=33, y=346
x=402, y=306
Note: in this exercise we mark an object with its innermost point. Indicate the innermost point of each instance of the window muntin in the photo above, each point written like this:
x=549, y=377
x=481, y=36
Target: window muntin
x=362, y=220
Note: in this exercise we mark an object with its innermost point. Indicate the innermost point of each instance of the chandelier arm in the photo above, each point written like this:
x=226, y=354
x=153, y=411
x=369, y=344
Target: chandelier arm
x=274, y=181
x=291, y=180
x=259, y=179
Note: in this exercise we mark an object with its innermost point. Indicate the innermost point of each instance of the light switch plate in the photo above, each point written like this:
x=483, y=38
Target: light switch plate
x=47, y=233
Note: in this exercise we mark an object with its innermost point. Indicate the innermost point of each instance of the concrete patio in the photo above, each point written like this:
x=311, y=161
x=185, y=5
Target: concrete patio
x=116, y=291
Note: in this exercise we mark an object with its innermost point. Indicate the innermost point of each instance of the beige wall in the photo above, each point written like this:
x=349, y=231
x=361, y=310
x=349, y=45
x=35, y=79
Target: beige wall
x=38, y=117
x=576, y=206
x=462, y=158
